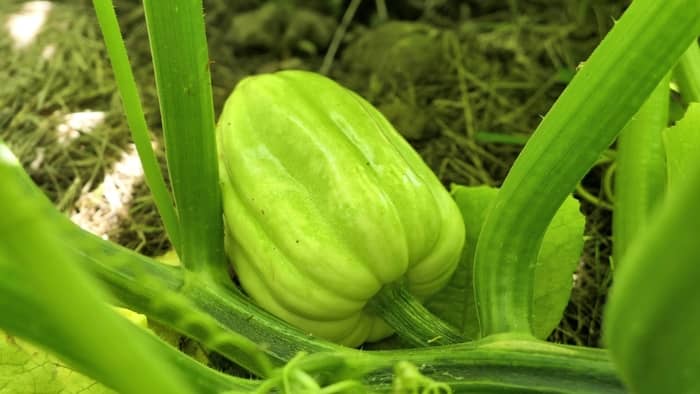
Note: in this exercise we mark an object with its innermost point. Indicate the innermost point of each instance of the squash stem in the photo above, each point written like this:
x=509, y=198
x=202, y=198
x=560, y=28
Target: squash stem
x=411, y=320
x=503, y=364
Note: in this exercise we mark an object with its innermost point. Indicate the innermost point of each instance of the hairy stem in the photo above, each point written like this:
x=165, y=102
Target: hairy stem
x=411, y=320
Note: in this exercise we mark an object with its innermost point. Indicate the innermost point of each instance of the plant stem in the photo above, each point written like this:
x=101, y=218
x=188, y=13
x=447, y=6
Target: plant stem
x=181, y=66
x=410, y=319
x=503, y=365
x=233, y=310
x=640, y=174
x=156, y=290
x=152, y=288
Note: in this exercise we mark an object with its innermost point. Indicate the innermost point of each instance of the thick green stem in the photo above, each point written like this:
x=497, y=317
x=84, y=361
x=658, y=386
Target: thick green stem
x=460, y=365
x=149, y=287
x=500, y=365
x=233, y=310
x=640, y=174
x=612, y=85
x=411, y=320
x=154, y=289
x=496, y=364
x=181, y=66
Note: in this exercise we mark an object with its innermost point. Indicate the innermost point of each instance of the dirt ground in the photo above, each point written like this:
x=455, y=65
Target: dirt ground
x=465, y=82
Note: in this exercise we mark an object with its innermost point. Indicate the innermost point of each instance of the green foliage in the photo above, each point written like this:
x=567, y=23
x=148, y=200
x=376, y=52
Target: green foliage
x=337, y=165
x=187, y=114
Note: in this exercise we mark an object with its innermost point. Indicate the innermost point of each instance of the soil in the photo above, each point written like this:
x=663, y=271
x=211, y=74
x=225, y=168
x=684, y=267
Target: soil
x=466, y=82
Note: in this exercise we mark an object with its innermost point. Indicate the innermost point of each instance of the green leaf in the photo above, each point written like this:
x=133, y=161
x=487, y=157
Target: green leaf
x=556, y=263
x=25, y=369
x=682, y=145
x=181, y=66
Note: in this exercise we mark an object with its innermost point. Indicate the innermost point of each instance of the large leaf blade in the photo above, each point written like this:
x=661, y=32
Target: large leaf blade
x=181, y=65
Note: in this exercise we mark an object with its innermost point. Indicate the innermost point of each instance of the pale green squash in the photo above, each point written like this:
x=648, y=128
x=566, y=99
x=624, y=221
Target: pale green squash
x=325, y=203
